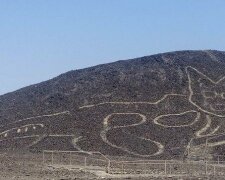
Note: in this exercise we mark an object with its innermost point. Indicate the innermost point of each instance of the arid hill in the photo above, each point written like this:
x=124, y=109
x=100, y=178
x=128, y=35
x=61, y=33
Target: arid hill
x=158, y=106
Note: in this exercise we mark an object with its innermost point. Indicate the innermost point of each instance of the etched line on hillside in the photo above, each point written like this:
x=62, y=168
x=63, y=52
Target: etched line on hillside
x=167, y=115
x=106, y=119
x=219, y=143
x=24, y=137
x=159, y=145
x=36, y=117
x=213, y=100
x=20, y=137
x=194, y=82
x=106, y=128
x=39, y=138
x=129, y=103
x=75, y=144
x=20, y=127
x=206, y=131
x=24, y=129
x=213, y=144
x=192, y=92
x=206, y=142
x=75, y=141
x=207, y=126
x=61, y=135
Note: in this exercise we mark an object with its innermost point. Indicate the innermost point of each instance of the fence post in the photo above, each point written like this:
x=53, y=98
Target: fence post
x=206, y=167
x=165, y=166
x=145, y=168
x=218, y=159
x=122, y=168
x=214, y=170
x=85, y=164
x=188, y=166
x=70, y=159
x=52, y=158
x=85, y=167
x=43, y=157
x=108, y=166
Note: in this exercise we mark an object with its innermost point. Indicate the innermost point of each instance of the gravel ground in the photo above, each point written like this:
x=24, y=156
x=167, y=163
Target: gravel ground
x=27, y=166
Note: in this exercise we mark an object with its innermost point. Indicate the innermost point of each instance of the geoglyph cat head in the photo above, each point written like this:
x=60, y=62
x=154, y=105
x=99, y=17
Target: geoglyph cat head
x=206, y=94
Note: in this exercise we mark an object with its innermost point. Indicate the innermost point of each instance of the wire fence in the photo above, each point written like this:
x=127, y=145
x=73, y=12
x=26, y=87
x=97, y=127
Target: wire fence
x=97, y=161
x=77, y=159
x=188, y=168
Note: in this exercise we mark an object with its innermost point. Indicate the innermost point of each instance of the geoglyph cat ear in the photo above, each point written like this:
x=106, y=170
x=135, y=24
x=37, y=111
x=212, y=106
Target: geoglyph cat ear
x=197, y=79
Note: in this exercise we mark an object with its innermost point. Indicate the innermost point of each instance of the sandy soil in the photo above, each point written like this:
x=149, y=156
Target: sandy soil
x=28, y=166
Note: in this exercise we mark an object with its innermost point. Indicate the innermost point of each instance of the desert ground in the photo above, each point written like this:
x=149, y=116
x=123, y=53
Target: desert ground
x=30, y=166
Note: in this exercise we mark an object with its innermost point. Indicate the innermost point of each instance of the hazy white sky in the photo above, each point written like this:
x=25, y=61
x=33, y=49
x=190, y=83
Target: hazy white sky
x=40, y=39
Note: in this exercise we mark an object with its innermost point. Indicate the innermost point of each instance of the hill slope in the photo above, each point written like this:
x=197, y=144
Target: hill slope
x=154, y=106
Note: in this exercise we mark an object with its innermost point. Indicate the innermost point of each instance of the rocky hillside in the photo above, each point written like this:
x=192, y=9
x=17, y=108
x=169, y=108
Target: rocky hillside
x=155, y=106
